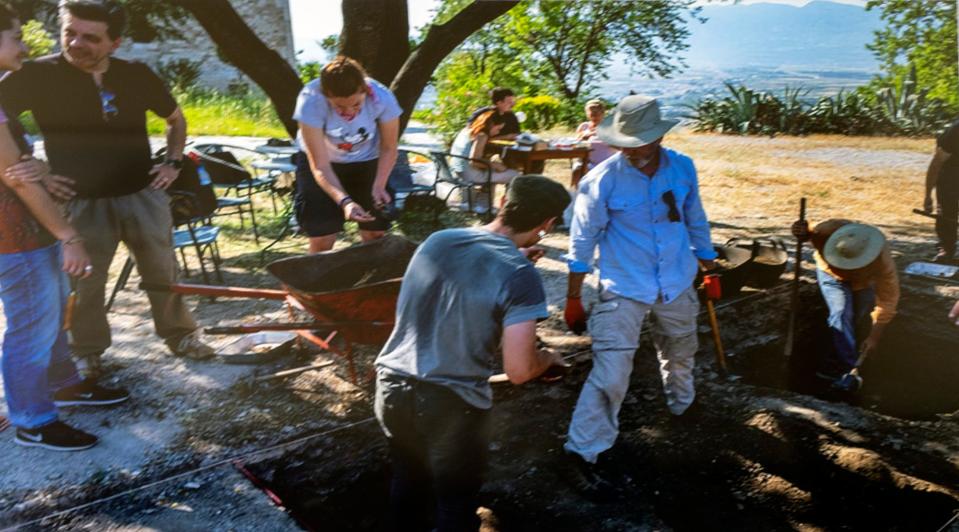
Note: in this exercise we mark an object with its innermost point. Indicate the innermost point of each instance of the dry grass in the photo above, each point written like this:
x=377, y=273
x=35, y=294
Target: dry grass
x=753, y=184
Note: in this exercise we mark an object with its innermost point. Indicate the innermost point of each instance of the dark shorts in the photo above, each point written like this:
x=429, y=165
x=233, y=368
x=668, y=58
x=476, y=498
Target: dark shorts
x=317, y=213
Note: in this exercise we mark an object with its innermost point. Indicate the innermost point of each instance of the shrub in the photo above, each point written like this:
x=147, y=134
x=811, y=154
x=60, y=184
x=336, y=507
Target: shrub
x=37, y=40
x=891, y=110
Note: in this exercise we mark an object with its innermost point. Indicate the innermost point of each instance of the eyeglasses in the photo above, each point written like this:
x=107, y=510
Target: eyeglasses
x=670, y=200
x=109, y=108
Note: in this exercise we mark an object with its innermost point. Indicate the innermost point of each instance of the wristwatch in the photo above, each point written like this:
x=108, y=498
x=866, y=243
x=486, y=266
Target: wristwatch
x=175, y=163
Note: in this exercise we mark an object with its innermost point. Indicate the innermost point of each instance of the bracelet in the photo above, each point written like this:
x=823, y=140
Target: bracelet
x=76, y=239
x=346, y=199
x=572, y=297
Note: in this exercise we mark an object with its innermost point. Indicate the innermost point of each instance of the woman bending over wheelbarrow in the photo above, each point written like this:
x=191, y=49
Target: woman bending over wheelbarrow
x=349, y=129
x=857, y=278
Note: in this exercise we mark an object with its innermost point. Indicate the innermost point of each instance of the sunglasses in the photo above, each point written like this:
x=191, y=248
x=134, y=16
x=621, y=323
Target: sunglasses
x=109, y=108
x=670, y=200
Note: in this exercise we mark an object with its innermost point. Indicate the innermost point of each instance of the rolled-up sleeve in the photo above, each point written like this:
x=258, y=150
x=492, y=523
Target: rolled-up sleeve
x=589, y=221
x=696, y=222
x=887, y=290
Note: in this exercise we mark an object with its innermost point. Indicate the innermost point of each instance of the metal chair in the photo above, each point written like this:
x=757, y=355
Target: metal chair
x=406, y=179
x=196, y=231
x=445, y=176
x=230, y=175
x=192, y=204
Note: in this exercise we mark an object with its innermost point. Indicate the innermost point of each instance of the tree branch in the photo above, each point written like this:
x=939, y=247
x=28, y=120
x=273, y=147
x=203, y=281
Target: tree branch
x=439, y=42
x=242, y=48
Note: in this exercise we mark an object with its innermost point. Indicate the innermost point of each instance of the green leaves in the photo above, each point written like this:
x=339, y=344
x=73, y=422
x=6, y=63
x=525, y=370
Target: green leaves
x=37, y=40
x=559, y=50
x=893, y=110
x=919, y=34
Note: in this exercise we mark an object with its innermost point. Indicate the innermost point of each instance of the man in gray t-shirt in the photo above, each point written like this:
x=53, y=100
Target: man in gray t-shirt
x=465, y=292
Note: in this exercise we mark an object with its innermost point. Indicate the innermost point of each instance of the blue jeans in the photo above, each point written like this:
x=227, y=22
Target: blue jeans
x=848, y=316
x=36, y=355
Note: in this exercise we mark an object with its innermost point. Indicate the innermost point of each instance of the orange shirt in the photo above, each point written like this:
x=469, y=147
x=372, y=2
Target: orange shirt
x=880, y=274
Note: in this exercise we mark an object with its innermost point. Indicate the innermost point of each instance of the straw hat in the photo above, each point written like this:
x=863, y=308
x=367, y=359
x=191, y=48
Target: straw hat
x=853, y=246
x=634, y=122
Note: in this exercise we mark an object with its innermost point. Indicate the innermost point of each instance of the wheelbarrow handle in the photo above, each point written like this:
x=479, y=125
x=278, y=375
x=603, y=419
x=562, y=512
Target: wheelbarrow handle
x=293, y=326
x=215, y=291
x=921, y=212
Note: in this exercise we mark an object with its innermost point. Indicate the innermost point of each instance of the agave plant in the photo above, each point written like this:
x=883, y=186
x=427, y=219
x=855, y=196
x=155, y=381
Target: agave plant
x=908, y=109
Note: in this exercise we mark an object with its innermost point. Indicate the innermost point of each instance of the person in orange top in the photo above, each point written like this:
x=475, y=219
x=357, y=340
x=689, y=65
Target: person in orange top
x=858, y=280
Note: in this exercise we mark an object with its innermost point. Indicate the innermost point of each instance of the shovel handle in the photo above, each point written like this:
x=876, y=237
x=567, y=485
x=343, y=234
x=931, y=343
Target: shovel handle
x=794, y=296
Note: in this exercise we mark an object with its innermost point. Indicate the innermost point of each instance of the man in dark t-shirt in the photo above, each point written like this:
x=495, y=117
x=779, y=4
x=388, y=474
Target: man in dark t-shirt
x=465, y=293
x=503, y=101
x=943, y=176
x=91, y=109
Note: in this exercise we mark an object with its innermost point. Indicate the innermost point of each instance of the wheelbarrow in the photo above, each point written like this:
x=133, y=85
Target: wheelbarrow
x=350, y=293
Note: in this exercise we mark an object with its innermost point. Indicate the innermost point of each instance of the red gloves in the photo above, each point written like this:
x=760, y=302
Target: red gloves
x=575, y=315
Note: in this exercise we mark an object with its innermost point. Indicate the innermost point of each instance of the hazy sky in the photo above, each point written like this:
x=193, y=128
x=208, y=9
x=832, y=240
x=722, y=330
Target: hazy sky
x=315, y=19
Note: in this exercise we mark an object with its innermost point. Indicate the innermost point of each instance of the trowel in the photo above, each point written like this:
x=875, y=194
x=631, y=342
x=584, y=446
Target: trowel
x=851, y=382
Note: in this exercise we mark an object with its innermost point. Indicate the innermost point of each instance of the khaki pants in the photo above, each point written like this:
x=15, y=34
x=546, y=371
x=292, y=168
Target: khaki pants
x=615, y=325
x=143, y=222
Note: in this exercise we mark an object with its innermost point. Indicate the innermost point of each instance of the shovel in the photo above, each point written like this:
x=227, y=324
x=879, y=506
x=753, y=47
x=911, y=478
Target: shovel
x=851, y=382
x=713, y=291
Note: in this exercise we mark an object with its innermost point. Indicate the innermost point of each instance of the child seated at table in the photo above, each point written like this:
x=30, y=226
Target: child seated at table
x=586, y=132
x=599, y=150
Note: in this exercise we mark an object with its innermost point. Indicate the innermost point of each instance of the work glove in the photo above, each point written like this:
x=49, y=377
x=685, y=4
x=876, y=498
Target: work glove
x=575, y=315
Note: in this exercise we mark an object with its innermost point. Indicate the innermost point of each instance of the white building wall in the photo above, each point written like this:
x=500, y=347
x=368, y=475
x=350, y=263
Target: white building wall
x=270, y=19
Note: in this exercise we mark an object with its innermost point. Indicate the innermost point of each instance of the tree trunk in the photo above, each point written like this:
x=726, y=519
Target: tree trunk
x=240, y=46
x=377, y=34
x=440, y=41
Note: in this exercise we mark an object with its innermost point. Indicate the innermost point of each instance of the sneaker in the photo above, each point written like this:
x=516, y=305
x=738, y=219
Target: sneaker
x=89, y=393
x=190, y=346
x=90, y=367
x=56, y=436
x=584, y=477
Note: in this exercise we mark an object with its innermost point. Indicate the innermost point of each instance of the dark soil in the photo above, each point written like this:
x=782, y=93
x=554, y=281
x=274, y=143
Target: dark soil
x=757, y=457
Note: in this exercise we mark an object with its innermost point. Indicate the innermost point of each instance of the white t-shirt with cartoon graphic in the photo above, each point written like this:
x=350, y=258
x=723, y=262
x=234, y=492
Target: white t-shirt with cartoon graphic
x=347, y=141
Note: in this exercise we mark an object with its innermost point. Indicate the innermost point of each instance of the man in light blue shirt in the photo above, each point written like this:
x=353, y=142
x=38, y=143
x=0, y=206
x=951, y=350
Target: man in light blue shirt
x=642, y=208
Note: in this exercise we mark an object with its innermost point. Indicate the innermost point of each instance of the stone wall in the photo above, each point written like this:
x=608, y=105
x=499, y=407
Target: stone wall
x=270, y=19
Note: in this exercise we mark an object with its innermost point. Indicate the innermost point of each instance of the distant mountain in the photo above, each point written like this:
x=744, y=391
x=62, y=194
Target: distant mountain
x=819, y=35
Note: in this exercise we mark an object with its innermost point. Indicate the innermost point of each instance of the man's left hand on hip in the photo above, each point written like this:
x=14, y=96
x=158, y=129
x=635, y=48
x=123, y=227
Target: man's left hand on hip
x=165, y=176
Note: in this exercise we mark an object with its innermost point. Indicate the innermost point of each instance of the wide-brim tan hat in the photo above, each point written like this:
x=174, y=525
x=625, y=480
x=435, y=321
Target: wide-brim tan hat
x=634, y=122
x=853, y=246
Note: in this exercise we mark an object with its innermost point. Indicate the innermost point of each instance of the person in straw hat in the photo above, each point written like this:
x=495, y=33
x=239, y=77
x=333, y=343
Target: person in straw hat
x=857, y=278
x=642, y=208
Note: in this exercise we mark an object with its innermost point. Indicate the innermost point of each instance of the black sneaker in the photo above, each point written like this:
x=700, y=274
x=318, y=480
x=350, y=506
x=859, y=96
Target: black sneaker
x=57, y=436
x=89, y=393
x=585, y=478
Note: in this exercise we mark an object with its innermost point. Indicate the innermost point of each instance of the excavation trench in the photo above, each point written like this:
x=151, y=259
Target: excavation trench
x=759, y=457
x=912, y=376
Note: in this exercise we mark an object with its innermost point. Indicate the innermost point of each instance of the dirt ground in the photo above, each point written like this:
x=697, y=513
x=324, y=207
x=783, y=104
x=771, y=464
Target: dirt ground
x=770, y=450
